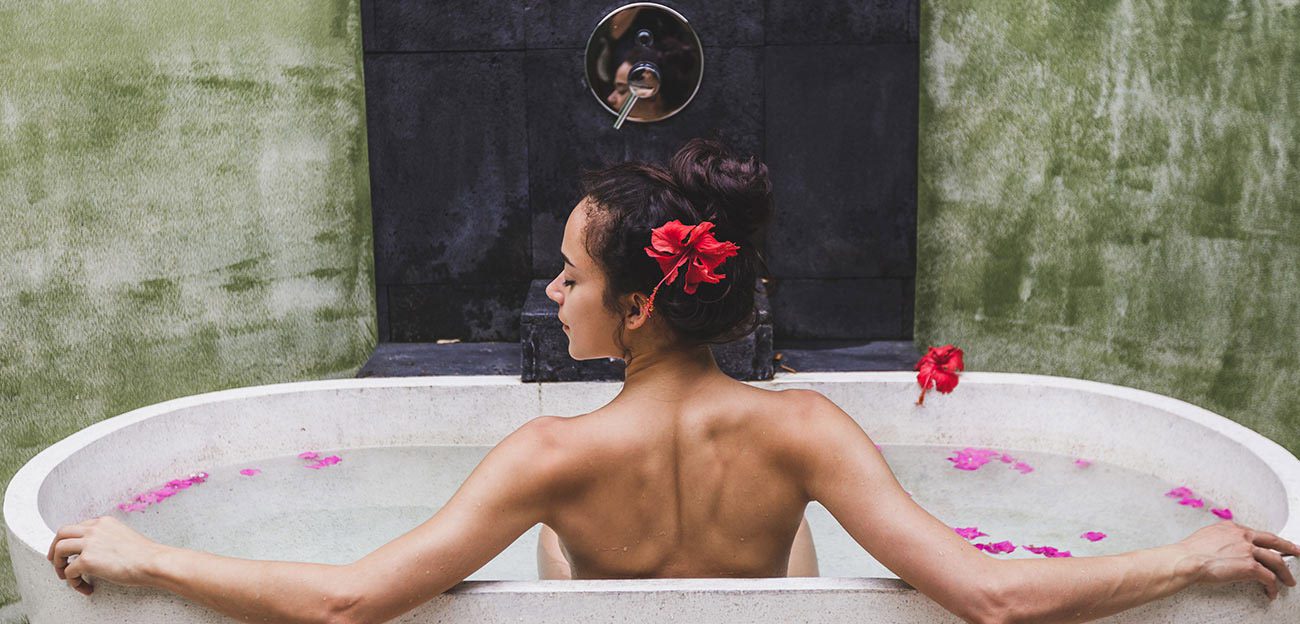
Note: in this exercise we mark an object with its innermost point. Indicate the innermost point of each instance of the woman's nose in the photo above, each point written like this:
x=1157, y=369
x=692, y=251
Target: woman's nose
x=553, y=290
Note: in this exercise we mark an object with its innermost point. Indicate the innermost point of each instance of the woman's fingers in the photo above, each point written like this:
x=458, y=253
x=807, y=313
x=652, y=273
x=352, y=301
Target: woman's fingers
x=1269, y=540
x=1266, y=578
x=64, y=549
x=80, y=585
x=1273, y=561
x=65, y=532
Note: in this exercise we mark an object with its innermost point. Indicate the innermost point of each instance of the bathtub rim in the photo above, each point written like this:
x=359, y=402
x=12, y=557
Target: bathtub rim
x=24, y=521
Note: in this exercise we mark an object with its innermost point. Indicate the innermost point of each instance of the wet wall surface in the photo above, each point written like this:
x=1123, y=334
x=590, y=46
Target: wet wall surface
x=184, y=207
x=480, y=122
x=1110, y=190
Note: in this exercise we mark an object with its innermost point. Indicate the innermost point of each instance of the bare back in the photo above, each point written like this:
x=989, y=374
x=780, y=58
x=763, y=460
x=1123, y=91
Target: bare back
x=684, y=489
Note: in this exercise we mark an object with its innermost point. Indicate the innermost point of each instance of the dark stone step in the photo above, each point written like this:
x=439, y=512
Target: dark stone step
x=808, y=356
x=418, y=359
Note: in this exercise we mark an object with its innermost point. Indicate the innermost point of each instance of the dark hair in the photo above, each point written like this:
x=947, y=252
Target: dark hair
x=703, y=181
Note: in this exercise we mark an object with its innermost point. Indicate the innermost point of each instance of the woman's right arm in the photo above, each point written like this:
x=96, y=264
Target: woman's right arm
x=843, y=470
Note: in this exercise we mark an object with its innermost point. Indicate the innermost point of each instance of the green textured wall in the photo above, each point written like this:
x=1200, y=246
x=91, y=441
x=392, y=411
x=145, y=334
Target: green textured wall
x=1111, y=190
x=184, y=207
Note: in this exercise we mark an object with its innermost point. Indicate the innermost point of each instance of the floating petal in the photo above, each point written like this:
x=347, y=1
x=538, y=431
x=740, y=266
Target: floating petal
x=970, y=532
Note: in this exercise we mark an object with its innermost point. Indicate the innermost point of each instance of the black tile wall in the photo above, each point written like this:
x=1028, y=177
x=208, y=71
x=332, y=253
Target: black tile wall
x=841, y=143
x=480, y=121
x=448, y=166
x=484, y=312
x=447, y=25
x=569, y=23
x=842, y=21
x=837, y=308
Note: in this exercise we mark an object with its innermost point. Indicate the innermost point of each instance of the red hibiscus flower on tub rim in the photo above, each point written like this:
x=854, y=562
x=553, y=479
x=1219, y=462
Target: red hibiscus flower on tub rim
x=938, y=368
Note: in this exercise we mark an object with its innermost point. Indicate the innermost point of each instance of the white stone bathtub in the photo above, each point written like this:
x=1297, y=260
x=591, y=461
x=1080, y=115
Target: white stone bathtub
x=85, y=474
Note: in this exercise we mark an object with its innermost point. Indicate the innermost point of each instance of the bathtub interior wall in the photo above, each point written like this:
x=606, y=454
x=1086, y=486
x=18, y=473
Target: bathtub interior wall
x=171, y=440
x=143, y=449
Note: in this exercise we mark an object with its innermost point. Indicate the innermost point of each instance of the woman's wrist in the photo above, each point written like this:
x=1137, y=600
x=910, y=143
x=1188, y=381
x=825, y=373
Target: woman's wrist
x=1188, y=566
x=157, y=566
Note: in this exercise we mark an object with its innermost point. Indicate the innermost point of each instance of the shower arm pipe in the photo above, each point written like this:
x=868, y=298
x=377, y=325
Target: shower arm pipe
x=642, y=82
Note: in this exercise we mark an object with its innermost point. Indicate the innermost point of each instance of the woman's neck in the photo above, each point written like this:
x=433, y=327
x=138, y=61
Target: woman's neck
x=670, y=374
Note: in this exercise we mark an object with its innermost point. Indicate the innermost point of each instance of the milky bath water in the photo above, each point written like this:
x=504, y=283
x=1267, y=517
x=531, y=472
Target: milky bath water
x=373, y=495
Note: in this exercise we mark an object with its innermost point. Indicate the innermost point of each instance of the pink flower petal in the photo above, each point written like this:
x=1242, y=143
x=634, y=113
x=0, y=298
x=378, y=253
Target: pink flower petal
x=970, y=532
x=1192, y=502
x=1047, y=551
x=998, y=548
x=1224, y=513
x=1024, y=468
x=1082, y=463
x=307, y=455
x=248, y=472
x=1179, y=492
x=1094, y=536
x=972, y=458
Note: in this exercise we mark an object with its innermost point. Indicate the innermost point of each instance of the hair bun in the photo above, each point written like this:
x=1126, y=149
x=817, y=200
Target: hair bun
x=734, y=192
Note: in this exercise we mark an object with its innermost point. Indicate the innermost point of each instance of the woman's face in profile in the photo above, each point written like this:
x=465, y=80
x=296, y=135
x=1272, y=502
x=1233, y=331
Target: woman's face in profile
x=579, y=289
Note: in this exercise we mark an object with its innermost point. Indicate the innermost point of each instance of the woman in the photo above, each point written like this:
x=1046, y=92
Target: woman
x=686, y=473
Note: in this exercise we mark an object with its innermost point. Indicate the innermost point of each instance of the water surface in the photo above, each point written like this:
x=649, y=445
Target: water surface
x=339, y=513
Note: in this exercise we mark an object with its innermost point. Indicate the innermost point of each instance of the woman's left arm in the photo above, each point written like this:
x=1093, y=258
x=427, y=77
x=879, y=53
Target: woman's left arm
x=505, y=495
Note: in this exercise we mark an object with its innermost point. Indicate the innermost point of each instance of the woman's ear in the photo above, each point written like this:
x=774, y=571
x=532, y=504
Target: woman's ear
x=635, y=304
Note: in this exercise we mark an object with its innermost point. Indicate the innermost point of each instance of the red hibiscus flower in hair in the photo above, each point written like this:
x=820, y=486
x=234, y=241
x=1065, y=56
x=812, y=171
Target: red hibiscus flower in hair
x=938, y=368
x=674, y=244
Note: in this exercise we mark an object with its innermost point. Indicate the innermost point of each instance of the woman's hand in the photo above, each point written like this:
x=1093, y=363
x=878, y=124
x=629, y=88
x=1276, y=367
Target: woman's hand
x=104, y=548
x=1227, y=551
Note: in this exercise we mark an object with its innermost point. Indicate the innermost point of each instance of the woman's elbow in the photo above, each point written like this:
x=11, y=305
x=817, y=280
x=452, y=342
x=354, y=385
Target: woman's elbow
x=987, y=602
x=344, y=609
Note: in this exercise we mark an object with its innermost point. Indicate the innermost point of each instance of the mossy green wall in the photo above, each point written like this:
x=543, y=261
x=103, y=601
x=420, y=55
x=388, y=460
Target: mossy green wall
x=184, y=207
x=1111, y=190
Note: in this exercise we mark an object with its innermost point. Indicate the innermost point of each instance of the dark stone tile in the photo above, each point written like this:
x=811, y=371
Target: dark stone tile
x=479, y=312
x=841, y=147
x=368, y=42
x=381, y=310
x=446, y=25
x=418, y=359
x=568, y=130
x=909, y=309
x=448, y=167
x=569, y=23
x=842, y=21
x=544, y=349
x=836, y=309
